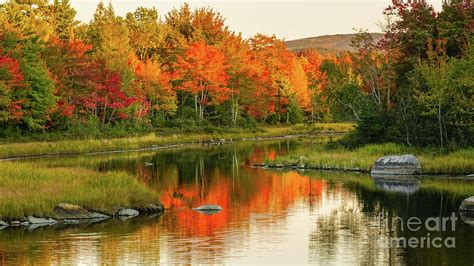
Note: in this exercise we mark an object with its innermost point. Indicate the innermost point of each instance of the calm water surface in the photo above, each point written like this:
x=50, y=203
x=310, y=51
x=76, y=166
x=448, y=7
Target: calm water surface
x=273, y=217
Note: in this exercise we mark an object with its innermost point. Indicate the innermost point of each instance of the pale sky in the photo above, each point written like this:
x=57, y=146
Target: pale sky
x=287, y=19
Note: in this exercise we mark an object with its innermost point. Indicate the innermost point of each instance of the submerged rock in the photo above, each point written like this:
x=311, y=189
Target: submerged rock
x=127, y=212
x=467, y=205
x=209, y=209
x=34, y=220
x=397, y=165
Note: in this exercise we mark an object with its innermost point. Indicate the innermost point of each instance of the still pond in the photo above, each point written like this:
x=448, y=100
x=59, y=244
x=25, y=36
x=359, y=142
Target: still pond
x=268, y=216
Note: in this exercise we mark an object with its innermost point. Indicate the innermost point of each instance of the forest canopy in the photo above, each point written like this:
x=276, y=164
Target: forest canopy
x=187, y=69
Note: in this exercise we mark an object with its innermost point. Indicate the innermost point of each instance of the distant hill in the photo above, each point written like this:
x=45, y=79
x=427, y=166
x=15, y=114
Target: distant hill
x=326, y=43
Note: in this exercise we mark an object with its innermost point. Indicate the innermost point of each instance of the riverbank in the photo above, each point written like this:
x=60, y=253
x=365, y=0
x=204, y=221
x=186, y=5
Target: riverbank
x=31, y=190
x=157, y=140
x=323, y=157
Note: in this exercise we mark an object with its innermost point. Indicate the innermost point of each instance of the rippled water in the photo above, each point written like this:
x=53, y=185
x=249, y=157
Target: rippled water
x=273, y=217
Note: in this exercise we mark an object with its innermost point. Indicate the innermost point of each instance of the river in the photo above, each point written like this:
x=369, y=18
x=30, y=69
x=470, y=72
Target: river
x=268, y=216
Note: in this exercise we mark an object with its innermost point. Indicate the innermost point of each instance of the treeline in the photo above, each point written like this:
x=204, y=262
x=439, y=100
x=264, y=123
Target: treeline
x=187, y=69
x=416, y=85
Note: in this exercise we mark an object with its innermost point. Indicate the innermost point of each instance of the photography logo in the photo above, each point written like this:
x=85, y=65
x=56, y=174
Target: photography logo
x=437, y=229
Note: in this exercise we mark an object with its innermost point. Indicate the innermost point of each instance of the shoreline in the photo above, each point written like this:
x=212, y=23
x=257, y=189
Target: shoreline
x=362, y=159
x=289, y=167
x=30, y=190
x=209, y=142
x=78, y=216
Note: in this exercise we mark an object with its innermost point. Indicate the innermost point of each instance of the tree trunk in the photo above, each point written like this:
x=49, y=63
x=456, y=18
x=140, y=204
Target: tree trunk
x=105, y=112
x=440, y=124
x=196, y=104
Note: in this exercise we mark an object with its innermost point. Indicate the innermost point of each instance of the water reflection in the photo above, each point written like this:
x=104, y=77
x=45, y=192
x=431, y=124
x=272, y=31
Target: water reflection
x=397, y=183
x=467, y=217
x=268, y=216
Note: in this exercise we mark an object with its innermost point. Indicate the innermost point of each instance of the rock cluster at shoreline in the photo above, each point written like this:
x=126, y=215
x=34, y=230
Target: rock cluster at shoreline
x=389, y=165
x=70, y=214
x=305, y=166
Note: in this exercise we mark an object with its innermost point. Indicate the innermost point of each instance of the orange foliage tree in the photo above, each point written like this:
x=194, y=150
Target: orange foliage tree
x=202, y=73
x=289, y=84
x=317, y=83
x=153, y=88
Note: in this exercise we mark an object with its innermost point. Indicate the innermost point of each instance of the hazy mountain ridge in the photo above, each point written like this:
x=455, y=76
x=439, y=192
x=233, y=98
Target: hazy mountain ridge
x=326, y=43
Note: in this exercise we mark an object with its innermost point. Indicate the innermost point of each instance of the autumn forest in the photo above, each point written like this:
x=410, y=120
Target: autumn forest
x=186, y=69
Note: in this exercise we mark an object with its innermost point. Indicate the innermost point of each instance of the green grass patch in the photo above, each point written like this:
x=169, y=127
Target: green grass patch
x=27, y=189
x=334, y=127
x=457, y=162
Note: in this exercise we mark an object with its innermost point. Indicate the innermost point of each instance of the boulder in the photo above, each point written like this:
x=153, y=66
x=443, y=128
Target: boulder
x=3, y=224
x=397, y=165
x=467, y=205
x=127, y=212
x=34, y=220
x=209, y=209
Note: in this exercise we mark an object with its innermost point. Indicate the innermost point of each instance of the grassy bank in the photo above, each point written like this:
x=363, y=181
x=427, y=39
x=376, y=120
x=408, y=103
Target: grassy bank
x=26, y=189
x=434, y=162
x=165, y=138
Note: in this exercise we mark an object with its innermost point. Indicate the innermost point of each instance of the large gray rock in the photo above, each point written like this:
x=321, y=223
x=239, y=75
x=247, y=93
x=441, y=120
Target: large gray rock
x=3, y=224
x=467, y=205
x=34, y=220
x=209, y=209
x=397, y=165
